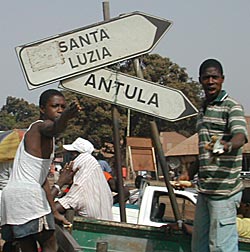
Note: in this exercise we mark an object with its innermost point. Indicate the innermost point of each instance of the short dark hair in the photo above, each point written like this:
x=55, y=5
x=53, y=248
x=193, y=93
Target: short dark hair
x=45, y=96
x=210, y=63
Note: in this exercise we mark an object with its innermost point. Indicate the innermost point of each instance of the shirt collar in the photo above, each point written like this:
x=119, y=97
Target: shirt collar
x=221, y=97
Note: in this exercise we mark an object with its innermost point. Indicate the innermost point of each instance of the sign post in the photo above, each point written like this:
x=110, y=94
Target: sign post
x=116, y=137
x=89, y=48
x=132, y=92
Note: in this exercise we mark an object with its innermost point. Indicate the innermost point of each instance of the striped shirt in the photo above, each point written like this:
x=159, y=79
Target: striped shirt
x=220, y=175
x=89, y=194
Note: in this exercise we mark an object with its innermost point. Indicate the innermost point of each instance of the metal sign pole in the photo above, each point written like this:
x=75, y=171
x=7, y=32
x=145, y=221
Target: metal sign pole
x=165, y=171
x=115, y=117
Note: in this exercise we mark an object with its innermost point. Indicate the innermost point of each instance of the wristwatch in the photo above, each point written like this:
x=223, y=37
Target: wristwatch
x=57, y=187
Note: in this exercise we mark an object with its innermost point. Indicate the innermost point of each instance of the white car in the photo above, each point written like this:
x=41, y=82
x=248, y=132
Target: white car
x=156, y=209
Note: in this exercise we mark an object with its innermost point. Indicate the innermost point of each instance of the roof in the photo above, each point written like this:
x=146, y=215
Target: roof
x=187, y=147
x=170, y=139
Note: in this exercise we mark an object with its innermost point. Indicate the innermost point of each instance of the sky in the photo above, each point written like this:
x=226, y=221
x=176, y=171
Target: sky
x=200, y=30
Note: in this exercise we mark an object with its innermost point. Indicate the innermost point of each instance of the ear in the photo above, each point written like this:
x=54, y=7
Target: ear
x=42, y=110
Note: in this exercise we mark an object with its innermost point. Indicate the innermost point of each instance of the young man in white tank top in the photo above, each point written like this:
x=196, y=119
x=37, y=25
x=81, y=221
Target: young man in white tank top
x=28, y=209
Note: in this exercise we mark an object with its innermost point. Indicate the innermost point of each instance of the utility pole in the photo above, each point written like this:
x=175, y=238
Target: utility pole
x=116, y=136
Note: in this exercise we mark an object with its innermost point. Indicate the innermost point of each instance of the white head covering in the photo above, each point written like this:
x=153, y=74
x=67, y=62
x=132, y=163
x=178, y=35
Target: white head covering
x=81, y=145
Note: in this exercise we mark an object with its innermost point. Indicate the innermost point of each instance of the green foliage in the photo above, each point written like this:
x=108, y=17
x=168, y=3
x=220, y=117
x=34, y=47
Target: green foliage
x=17, y=113
x=95, y=120
x=7, y=121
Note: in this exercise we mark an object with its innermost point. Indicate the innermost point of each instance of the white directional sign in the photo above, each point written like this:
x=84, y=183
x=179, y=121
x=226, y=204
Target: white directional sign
x=89, y=48
x=131, y=92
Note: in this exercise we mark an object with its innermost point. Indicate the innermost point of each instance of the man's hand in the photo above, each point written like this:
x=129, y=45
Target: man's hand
x=184, y=176
x=210, y=146
x=67, y=174
x=73, y=109
x=61, y=219
x=181, y=184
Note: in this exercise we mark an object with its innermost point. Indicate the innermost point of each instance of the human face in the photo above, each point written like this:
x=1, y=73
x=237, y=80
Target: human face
x=211, y=80
x=53, y=108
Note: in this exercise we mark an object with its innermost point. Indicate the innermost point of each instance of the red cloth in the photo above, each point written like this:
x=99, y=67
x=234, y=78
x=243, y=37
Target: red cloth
x=107, y=175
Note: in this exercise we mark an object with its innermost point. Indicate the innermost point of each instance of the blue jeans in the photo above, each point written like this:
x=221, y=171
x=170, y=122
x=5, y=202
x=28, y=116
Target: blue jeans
x=11, y=232
x=215, y=228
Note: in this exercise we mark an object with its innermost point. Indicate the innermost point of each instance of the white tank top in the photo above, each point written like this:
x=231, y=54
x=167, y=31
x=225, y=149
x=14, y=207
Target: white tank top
x=24, y=199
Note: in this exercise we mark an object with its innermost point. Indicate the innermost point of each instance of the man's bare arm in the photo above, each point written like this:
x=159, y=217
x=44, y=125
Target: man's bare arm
x=50, y=199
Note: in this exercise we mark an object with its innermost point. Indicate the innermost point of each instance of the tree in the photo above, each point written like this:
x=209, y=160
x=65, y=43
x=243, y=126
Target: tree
x=17, y=113
x=94, y=122
x=7, y=121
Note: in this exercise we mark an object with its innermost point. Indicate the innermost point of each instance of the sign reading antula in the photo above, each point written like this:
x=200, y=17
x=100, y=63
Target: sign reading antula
x=131, y=92
x=90, y=48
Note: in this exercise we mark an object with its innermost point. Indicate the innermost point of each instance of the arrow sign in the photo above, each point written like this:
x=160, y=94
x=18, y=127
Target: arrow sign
x=132, y=92
x=90, y=48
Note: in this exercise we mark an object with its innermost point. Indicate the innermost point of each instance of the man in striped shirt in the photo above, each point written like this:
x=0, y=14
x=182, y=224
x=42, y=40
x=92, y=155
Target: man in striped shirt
x=89, y=194
x=222, y=132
